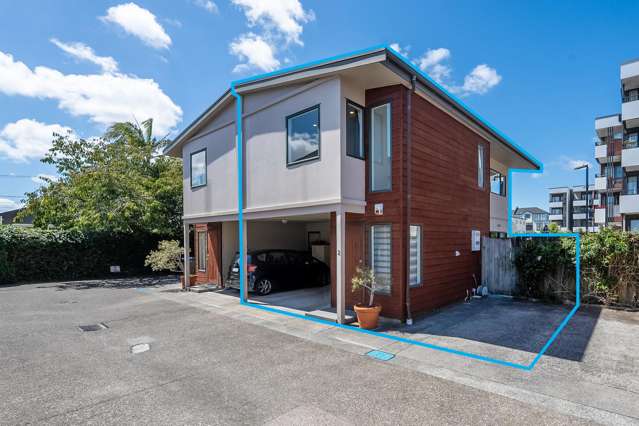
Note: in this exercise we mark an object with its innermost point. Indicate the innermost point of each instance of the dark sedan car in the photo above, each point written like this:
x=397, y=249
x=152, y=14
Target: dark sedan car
x=270, y=270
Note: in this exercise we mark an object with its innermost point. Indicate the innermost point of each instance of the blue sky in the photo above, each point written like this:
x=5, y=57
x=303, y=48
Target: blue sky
x=538, y=71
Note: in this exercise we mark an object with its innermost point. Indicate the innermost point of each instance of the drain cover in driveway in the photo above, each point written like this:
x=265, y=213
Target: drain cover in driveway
x=381, y=355
x=139, y=348
x=93, y=327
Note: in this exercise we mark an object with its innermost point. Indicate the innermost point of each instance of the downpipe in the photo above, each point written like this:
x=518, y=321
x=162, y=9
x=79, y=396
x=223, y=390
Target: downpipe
x=240, y=193
x=409, y=143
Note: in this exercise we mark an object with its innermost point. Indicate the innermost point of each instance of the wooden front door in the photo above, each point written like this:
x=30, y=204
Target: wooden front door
x=214, y=267
x=354, y=252
x=354, y=248
x=208, y=253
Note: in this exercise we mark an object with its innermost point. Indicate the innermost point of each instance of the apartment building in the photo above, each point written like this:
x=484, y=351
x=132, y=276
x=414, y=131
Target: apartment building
x=560, y=204
x=617, y=153
x=574, y=208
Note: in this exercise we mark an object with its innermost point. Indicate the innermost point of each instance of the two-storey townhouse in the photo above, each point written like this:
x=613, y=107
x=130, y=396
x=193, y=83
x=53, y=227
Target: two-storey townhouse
x=364, y=151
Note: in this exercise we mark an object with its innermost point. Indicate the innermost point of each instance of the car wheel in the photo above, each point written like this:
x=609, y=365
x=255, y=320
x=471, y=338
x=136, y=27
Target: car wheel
x=263, y=287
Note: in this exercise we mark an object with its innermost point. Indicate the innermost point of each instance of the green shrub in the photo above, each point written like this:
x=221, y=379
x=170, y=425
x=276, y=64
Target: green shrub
x=34, y=254
x=167, y=257
x=536, y=259
x=609, y=267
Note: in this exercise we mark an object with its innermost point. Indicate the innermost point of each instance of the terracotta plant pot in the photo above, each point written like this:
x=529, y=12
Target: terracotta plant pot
x=367, y=317
x=192, y=279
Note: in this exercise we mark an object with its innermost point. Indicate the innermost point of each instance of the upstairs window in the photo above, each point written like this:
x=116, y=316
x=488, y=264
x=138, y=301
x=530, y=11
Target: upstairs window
x=497, y=183
x=380, y=141
x=198, y=169
x=354, y=139
x=480, y=166
x=303, y=136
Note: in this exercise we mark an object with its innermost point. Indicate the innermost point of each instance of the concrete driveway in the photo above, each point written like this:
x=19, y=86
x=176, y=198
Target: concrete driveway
x=211, y=361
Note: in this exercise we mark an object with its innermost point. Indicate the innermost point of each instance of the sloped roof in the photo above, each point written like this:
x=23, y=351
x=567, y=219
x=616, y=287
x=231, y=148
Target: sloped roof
x=534, y=210
x=395, y=61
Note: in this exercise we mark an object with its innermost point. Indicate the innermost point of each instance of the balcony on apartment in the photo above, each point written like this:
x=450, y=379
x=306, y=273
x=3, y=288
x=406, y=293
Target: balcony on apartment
x=581, y=198
x=630, y=74
x=630, y=86
x=630, y=107
x=605, y=182
x=600, y=215
x=607, y=128
x=556, y=214
x=630, y=153
x=629, y=198
x=608, y=148
x=556, y=201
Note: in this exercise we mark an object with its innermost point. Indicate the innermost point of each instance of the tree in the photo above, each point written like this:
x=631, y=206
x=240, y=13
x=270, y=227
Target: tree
x=117, y=183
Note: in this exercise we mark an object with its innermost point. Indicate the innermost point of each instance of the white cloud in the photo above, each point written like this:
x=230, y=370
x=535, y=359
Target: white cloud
x=569, y=163
x=433, y=57
x=207, y=5
x=431, y=63
x=255, y=52
x=83, y=52
x=140, y=23
x=43, y=178
x=7, y=204
x=480, y=80
x=404, y=51
x=277, y=17
x=28, y=139
x=104, y=98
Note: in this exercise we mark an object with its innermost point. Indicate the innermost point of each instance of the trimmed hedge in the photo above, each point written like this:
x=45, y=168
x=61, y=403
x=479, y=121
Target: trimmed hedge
x=35, y=254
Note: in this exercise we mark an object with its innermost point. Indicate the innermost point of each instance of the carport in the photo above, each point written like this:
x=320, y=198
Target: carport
x=280, y=240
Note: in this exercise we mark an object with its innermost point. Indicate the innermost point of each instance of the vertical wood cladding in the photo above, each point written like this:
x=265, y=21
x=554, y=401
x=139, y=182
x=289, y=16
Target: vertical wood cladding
x=392, y=304
x=446, y=201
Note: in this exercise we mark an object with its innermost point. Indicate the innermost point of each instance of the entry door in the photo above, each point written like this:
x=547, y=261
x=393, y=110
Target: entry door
x=354, y=253
x=214, y=266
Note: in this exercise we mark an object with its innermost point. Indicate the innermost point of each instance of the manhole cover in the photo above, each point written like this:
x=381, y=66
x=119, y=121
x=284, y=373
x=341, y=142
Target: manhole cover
x=93, y=327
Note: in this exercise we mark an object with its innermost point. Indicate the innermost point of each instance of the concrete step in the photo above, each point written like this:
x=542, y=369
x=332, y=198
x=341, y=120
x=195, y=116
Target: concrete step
x=330, y=314
x=202, y=288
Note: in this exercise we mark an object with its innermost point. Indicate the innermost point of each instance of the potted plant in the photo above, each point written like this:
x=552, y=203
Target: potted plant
x=168, y=256
x=367, y=313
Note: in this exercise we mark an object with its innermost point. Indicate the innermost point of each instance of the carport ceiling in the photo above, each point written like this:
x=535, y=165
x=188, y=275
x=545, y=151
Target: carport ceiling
x=319, y=217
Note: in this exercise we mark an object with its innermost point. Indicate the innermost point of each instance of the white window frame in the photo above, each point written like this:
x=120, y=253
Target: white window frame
x=389, y=147
x=420, y=250
x=390, y=256
x=200, y=151
x=481, y=166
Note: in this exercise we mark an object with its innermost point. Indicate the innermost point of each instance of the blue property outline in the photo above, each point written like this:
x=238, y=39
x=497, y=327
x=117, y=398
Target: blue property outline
x=242, y=260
